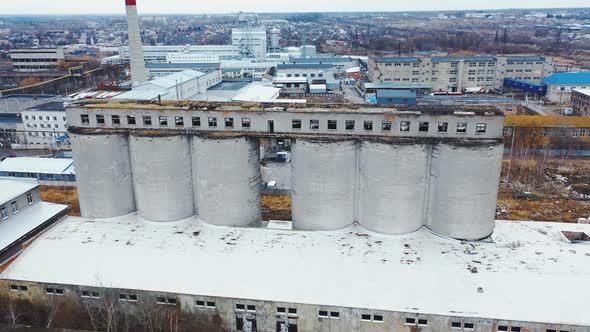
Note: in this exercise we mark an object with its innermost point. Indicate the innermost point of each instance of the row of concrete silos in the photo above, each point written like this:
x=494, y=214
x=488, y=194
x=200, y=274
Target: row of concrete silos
x=387, y=188
x=397, y=188
x=169, y=178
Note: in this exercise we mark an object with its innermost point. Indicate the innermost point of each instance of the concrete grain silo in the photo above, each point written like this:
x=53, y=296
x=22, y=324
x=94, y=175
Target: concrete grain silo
x=162, y=177
x=392, y=187
x=103, y=175
x=463, y=189
x=227, y=180
x=323, y=184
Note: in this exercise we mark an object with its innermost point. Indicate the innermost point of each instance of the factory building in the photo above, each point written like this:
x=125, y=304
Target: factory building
x=192, y=58
x=159, y=54
x=560, y=86
x=36, y=59
x=457, y=73
x=158, y=69
x=313, y=70
x=56, y=172
x=340, y=64
x=442, y=142
x=46, y=126
x=23, y=215
x=251, y=42
x=581, y=101
x=179, y=86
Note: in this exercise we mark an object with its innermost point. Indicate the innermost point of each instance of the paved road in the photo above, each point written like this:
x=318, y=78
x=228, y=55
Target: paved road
x=280, y=172
x=352, y=95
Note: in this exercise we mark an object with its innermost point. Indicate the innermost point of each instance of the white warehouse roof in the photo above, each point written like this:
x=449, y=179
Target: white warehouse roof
x=38, y=165
x=12, y=188
x=524, y=263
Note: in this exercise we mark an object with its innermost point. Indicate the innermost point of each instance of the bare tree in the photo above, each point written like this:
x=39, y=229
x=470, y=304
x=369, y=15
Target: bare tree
x=11, y=309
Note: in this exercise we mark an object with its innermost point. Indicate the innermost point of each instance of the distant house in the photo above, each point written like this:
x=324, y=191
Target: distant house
x=48, y=171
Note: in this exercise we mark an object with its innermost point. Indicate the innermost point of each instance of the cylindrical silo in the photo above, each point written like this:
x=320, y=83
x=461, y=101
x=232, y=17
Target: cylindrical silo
x=324, y=179
x=392, y=187
x=103, y=175
x=162, y=177
x=463, y=189
x=227, y=180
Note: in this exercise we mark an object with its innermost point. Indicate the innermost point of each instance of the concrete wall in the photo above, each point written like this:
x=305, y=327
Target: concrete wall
x=324, y=182
x=306, y=318
x=103, y=175
x=162, y=177
x=393, y=187
x=226, y=175
x=463, y=190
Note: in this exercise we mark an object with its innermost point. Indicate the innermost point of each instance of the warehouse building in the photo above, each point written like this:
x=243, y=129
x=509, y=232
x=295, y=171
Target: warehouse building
x=35, y=59
x=313, y=70
x=57, y=172
x=23, y=215
x=561, y=85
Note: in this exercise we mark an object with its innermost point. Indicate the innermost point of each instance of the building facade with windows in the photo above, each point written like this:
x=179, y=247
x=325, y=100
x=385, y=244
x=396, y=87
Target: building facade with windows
x=561, y=85
x=457, y=73
x=46, y=126
x=581, y=102
x=35, y=59
x=58, y=172
x=307, y=70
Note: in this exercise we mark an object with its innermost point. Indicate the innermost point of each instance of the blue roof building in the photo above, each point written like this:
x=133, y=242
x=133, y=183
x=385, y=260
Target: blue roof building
x=560, y=86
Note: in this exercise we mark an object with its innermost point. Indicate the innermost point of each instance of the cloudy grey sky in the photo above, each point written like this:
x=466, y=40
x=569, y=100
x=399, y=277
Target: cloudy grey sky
x=28, y=7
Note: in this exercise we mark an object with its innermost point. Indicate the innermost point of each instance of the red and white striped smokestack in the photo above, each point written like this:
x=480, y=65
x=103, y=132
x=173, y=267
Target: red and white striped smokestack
x=138, y=73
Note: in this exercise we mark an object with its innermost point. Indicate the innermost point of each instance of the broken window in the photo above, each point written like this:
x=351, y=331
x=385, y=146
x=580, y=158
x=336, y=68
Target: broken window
x=179, y=121
x=200, y=303
x=423, y=322
x=334, y=314
x=116, y=120
x=404, y=126
x=85, y=293
x=122, y=297
x=469, y=326
x=85, y=119
x=95, y=295
x=443, y=127
x=240, y=307
x=366, y=318
x=386, y=125
x=292, y=311
x=132, y=298
x=246, y=123
x=480, y=128
x=296, y=124
x=281, y=310
x=332, y=125
x=147, y=120
x=131, y=120
x=423, y=126
x=502, y=328
x=368, y=125
x=229, y=122
x=212, y=122
x=314, y=124
x=100, y=119
x=171, y=301
x=13, y=288
x=456, y=325
x=196, y=121
x=410, y=321
x=349, y=125
x=515, y=329
x=251, y=307
x=377, y=318
x=161, y=300
x=163, y=121
x=461, y=127
x=210, y=304
x=323, y=314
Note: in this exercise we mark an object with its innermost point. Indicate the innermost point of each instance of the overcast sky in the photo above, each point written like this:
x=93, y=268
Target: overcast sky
x=29, y=7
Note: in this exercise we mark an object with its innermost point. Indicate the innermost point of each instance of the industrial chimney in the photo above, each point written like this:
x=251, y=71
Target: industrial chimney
x=138, y=74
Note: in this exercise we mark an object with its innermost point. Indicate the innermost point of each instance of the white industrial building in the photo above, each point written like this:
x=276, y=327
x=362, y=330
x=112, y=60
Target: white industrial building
x=561, y=85
x=251, y=42
x=57, y=172
x=23, y=215
x=33, y=59
x=179, y=86
x=159, y=53
x=192, y=58
x=312, y=70
x=246, y=68
x=46, y=126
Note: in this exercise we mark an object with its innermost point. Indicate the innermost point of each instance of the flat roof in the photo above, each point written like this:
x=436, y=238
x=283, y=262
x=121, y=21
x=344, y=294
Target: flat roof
x=525, y=58
x=463, y=58
x=12, y=188
x=52, y=106
x=568, y=78
x=380, y=85
x=20, y=224
x=419, y=272
x=38, y=165
x=279, y=106
x=585, y=92
x=397, y=59
x=304, y=66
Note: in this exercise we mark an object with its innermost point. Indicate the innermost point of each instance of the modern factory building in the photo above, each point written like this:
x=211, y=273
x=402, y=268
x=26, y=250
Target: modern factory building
x=46, y=126
x=561, y=85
